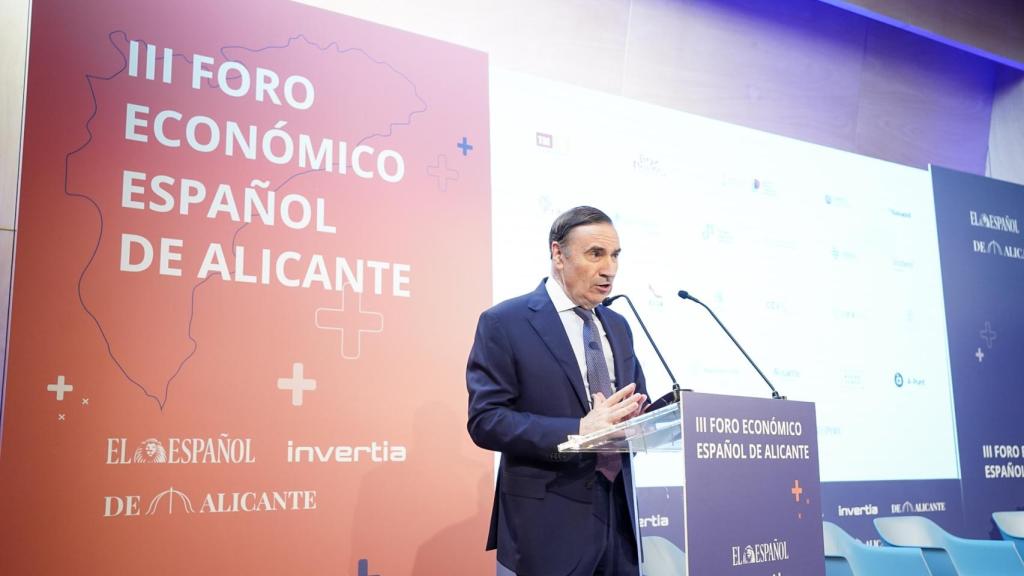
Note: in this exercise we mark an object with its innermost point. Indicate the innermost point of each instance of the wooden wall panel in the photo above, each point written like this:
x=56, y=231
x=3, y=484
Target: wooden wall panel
x=1006, y=136
x=923, y=102
x=790, y=68
x=581, y=42
x=800, y=68
x=996, y=26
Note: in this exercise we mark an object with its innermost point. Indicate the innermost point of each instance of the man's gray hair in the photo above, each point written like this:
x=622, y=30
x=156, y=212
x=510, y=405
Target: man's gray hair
x=578, y=216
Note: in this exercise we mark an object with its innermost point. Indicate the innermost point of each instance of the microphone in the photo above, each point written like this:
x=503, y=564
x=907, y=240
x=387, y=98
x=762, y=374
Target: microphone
x=674, y=395
x=687, y=296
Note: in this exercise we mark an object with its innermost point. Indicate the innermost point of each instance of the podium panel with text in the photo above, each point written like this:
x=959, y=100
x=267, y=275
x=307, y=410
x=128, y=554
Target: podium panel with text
x=751, y=491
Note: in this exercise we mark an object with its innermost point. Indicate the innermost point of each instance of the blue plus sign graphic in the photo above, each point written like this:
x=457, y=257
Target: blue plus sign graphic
x=465, y=146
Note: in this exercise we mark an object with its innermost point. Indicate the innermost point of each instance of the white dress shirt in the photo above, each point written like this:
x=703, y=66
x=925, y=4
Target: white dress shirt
x=574, y=329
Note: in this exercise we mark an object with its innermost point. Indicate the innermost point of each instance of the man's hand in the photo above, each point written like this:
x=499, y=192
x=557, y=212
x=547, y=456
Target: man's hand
x=622, y=405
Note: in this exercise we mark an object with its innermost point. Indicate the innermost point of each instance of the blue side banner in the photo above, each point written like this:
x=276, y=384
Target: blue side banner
x=982, y=255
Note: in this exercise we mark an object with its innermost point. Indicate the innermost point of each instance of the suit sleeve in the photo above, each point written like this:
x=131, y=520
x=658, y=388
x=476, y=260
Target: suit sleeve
x=495, y=422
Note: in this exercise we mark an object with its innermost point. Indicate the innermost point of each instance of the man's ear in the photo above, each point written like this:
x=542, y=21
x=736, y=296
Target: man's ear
x=557, y=258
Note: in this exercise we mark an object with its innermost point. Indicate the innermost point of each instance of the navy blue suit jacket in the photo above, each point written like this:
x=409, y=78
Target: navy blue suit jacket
x=526, y=395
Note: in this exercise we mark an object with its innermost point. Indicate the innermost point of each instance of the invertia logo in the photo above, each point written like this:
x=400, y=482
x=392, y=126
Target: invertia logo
x=383, y=452
x=220, y=450
x=174, y=501
x=865, y=510
x=654, y=521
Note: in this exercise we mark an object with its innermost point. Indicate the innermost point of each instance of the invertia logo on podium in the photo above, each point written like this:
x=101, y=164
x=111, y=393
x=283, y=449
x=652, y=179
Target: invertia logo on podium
x=654, y=521
x=220, y=450
x=173, y=501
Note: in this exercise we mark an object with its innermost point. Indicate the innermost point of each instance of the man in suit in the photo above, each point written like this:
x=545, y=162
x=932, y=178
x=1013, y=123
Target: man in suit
x=545, y=365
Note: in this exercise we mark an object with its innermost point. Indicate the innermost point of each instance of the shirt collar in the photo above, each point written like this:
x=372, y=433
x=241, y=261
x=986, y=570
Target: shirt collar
x=558, y=296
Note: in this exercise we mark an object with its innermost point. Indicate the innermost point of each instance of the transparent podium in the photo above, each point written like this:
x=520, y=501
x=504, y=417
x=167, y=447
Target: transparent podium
x=656, y=431
x=748, y=501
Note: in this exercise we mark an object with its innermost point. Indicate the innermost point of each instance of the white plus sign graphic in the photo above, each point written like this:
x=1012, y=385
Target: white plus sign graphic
x=988, y=334
x=353, y=323
x=297, y=384
x=979, y=355
x=60, y=388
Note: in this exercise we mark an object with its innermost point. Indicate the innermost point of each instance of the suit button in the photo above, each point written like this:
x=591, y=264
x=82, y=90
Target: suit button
x=589, y=484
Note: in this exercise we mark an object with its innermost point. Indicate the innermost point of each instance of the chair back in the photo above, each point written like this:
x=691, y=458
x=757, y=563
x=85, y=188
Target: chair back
x=944, y=551
x=662, y=557
x=863, y=560
x=1010, y=524
x=836, y=539
x=916, y=531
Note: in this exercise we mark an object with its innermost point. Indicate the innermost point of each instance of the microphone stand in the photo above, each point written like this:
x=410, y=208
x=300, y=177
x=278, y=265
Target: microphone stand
x=675, y=395
x=775, y=393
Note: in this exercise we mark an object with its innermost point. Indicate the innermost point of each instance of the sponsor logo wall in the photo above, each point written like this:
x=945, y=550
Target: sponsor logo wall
x=242, y=229
x=979, y=239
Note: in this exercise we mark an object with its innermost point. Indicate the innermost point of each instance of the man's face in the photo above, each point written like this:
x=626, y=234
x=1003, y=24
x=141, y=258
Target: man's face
x=588, y=264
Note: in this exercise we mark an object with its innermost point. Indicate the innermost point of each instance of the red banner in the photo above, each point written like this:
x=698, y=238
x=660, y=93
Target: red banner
x=253, y=240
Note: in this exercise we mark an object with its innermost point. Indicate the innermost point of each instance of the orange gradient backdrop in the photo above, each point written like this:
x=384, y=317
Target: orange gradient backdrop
x=170, y=358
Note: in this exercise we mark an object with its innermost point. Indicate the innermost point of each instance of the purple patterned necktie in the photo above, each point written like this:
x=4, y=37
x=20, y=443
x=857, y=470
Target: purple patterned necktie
x=608, y=464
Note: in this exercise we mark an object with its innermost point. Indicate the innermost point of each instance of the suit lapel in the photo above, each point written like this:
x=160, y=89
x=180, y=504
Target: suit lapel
x=618, y=341
x=545, y=321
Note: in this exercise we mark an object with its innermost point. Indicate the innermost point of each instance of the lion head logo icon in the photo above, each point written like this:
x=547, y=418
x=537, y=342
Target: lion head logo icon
x=150, y=451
